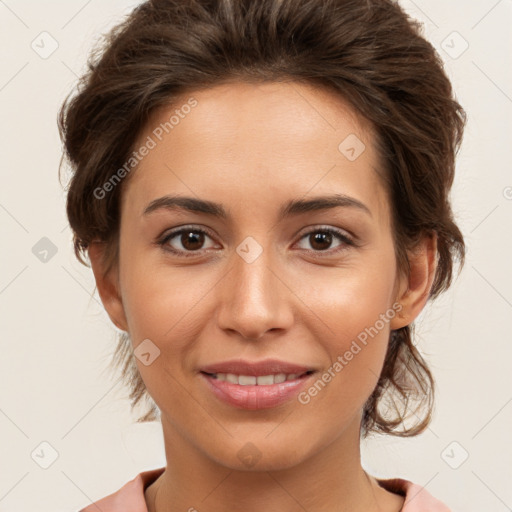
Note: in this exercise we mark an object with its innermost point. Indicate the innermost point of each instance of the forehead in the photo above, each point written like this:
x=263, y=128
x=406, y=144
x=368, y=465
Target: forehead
x=272, y=111
x=253, y=139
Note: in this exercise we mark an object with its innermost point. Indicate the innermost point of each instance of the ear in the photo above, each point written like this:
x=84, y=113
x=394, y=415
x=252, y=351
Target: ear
x=108, y=285
x=415, y=288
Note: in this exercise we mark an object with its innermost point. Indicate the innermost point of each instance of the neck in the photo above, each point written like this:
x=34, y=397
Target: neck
x=332, y=479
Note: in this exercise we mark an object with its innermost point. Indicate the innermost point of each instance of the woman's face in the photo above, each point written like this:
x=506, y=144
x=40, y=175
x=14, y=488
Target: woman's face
x=314, y=287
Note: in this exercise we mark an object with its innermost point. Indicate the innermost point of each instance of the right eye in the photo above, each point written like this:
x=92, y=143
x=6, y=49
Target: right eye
x=191, y=240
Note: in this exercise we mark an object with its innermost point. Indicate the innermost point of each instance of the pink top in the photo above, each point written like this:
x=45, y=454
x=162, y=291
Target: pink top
x=130, y=498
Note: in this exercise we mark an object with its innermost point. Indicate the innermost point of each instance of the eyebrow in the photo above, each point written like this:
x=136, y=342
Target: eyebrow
x=294, y=207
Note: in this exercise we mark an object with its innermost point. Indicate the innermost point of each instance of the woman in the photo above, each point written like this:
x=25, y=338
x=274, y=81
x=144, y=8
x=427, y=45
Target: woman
x=262, y=191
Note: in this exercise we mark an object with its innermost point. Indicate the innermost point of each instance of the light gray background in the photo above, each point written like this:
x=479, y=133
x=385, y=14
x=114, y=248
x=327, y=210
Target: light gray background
x=56, y=339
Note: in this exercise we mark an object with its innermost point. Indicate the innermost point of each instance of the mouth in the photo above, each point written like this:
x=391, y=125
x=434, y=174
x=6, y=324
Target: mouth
x=256, y=392
x=261, y=380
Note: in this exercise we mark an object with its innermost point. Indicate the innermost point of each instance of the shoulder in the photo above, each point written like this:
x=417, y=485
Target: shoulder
x=130, y=498
x=417, y=498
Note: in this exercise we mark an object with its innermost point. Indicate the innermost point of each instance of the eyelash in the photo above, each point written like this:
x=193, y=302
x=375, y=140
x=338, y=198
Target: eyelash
x=347, y=241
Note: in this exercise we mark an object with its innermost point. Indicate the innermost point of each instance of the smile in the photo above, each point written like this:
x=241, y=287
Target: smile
x=251, y=380
x=255, y=392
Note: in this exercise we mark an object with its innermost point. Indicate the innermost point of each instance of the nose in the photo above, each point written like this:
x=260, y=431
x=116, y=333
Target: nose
x=254, y=298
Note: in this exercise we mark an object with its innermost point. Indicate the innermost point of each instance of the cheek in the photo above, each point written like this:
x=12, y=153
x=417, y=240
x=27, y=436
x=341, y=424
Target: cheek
x=356, y=348
x=357, y=308
x=163, y=304
x=350, y=299
x=149, y=297
x=164, y=307
x=159, y=304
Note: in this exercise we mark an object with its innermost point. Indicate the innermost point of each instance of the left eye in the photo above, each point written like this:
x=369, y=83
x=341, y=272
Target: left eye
x=324, y=236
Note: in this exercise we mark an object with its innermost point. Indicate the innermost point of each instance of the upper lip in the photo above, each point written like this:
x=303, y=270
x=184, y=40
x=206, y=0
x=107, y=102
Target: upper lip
x=256, y=368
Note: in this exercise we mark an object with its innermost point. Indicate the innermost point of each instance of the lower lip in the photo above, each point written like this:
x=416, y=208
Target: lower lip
x=255, y=397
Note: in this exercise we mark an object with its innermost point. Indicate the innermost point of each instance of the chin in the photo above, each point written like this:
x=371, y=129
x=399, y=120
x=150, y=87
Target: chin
x=259, y=455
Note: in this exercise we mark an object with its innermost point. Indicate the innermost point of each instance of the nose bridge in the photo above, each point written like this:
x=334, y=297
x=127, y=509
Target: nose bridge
x=253, y=299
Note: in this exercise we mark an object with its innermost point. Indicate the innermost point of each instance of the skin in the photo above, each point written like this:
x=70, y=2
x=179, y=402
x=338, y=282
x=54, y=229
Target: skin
x=252, y=148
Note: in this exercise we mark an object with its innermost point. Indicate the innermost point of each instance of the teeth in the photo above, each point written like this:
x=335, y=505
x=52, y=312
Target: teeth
x=251, y=380
x=247, y=380
x=265, y=380
x=229, y=377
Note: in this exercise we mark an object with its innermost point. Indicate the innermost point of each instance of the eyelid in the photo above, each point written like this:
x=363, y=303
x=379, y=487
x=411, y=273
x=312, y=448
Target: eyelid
x=325, y=227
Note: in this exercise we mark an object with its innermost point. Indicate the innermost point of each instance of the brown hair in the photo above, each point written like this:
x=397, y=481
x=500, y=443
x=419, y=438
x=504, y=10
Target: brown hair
x=368, y=51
